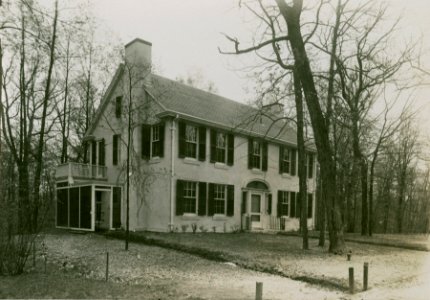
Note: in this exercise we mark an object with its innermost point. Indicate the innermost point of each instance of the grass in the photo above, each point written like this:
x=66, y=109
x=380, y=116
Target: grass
x=283, y=256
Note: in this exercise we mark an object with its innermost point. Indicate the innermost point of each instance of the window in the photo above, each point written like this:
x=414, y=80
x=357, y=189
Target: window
x=118, y=107
x=222, y=147
x=101, y=145
x=219, y=198
x=116, y=149
x=287, y=160
x=257, y=155
x=152, y=140
x=189, y=202
x=191, y=141
x=283, y=203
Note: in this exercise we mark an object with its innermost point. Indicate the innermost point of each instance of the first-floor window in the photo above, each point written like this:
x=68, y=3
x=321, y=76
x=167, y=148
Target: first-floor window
x=190, y=197
x=219, y=198
x=284, y=203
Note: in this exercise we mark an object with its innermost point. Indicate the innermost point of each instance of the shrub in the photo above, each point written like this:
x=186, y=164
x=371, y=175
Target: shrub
x=203, y=228
x=194, y=227
x=184, y=227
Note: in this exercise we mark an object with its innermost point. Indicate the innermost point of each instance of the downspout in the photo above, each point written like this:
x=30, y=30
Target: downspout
x=172, y=170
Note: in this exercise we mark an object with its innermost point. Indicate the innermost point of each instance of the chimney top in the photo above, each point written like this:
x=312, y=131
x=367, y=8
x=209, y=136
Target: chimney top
x=140, y=41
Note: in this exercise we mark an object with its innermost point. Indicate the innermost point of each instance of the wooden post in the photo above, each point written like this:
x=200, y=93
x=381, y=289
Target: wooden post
x=365, y=275
x=259, y=291
x=107, y=266
x=351, y=280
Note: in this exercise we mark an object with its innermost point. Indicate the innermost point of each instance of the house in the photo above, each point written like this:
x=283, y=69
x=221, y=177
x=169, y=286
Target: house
x=196, y=158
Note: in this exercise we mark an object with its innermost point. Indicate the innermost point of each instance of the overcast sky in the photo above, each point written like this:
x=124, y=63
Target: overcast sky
x=185, y=35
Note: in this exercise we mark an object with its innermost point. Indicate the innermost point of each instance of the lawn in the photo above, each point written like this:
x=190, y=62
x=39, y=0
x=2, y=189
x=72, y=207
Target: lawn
x=77, y=264
x=282, y=255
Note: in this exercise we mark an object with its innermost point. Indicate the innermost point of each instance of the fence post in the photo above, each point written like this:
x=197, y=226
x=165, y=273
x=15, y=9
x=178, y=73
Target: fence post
x=351, y=280
x=259, y=291
x=107, y=266
x=365, y=275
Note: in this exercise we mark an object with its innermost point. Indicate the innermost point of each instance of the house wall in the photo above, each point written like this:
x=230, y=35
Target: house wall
x=152, y=184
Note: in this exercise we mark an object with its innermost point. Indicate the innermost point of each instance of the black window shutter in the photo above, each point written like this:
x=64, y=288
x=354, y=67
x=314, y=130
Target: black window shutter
x=265, y=157
x=244, y=194
x=115, y=150
x=269, y=204
x=94, y=152
x=202, y=143
x=118, y=106
x=310, y=202
x=182, y=144
x=230, y=200
x=102, y=152
x=179, y=197
x=310, y=165
x=292, y=204
x=298, y=205
x=293, y=162
x=146, y=141
x=281, y=157
x=250, y=146
x=202, y=199
x=279, y=203
x=161, y=139
x=230, y=147
x=213, y=145
x=211, y=200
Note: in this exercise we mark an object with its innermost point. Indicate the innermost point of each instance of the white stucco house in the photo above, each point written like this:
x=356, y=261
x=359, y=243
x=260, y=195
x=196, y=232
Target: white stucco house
x=198, y=158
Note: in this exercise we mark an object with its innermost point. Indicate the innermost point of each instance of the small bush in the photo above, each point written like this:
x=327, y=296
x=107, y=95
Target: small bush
x=203, y=228
x=184, y=227
x=214, y=228
x=235, y=228
x=194, y=227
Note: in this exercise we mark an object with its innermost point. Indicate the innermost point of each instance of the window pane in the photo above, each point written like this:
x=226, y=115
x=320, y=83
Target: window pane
x=255, y=203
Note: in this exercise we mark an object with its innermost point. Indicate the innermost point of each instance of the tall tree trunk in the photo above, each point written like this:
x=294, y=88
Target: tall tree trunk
x=291, y=15
x=302, y=160
x=46, y=97
x=64, y=126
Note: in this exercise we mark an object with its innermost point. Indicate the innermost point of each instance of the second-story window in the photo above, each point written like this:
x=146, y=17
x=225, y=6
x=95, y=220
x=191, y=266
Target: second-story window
x=118, y=106
x=257, y=155
x=222, y=147
x=152, y=138
x=287, y=160
x=192, y=141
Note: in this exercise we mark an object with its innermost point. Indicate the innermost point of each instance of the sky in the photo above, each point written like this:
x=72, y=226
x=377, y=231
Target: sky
x=186, y=34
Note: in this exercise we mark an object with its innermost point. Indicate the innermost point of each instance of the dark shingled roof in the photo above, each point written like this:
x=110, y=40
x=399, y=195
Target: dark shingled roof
x=187, y=101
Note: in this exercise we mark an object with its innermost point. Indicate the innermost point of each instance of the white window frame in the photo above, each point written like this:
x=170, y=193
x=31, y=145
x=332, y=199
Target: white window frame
x=195, y=142
x=220, y=195
x=287, y=202
x=257, y=154
x=154, y=138
x=190, y=186
x=222, y=148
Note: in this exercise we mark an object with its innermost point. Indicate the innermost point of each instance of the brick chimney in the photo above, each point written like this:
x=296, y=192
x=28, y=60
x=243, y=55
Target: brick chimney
x=138, y=55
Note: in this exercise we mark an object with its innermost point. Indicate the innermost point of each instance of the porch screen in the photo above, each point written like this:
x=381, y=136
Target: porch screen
x=74, y=207
x=85, y=207
x=63, y=207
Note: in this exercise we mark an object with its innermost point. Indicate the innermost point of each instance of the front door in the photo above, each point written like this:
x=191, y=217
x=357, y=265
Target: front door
x=255, y=212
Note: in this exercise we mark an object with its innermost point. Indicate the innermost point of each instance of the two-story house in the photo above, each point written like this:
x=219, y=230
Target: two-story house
x=196, y=158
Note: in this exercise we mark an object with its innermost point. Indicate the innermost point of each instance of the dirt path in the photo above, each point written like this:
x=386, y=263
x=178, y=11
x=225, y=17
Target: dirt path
x=176, y=275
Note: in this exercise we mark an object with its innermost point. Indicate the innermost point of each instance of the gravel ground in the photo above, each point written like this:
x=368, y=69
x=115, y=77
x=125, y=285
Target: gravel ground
x=176, y=275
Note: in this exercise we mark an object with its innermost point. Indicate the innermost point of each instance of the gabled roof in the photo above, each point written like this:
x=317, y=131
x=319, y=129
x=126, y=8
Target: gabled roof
x=178, y=99
x=192, y=103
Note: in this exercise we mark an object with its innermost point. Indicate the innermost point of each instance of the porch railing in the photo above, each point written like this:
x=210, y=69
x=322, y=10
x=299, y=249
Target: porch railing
x=268, y=222
x=84, y=171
